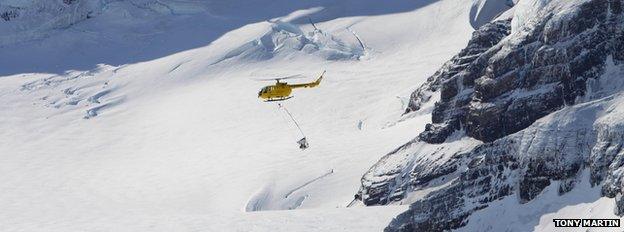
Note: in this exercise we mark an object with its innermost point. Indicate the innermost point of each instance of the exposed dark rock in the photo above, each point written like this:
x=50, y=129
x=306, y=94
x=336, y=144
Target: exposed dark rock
x=69, y=2
x=530, y=187
x=8, y=15
x=437, y=133
x=619, y=205
x=447, y=209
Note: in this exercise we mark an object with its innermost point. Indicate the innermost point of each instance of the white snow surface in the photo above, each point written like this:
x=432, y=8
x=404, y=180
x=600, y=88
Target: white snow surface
x=483, y=11
x=144, y=115
x=525, y=13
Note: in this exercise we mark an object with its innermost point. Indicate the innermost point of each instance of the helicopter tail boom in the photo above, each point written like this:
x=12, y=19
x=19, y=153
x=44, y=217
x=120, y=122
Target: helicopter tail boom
x=311, y=84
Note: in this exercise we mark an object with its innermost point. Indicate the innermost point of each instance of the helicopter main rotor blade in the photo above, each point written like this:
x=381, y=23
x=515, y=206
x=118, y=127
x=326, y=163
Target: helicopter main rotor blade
x=298, y=76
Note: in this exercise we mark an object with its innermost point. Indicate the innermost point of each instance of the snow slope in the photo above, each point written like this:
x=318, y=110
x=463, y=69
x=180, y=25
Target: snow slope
x=141, y=117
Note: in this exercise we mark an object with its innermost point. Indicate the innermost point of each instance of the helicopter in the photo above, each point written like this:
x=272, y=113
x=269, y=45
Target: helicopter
x=280, y=91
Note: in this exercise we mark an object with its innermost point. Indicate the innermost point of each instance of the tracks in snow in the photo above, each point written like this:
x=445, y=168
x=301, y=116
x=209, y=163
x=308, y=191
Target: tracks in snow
x=264, y=200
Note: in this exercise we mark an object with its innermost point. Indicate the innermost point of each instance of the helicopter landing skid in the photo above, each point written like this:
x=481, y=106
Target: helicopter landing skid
x=278, y=99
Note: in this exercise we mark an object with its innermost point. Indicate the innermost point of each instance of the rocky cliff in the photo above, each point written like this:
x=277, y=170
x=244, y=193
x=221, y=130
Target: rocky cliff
x=518, y=112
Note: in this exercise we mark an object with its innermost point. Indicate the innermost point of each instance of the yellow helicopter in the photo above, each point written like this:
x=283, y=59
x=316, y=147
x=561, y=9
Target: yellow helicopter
x=281, y=90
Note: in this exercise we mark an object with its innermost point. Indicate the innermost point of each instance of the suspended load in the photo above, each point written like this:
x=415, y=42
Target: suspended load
x=303, y=143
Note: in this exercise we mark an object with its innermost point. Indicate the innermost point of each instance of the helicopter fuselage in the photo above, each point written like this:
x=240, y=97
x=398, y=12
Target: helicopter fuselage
x=281, y=90
x=275, y=92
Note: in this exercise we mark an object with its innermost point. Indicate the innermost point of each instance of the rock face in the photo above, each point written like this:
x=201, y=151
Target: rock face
x=543, y=106
x=524, y=164
x=413, y=166
x=482, y=39
x=527, y=76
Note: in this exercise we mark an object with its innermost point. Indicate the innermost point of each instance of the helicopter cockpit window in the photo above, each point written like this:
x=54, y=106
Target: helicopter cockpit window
x=263, y=90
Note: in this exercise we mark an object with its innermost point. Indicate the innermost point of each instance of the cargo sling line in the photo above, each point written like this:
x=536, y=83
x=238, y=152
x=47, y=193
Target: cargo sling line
x=303, y=143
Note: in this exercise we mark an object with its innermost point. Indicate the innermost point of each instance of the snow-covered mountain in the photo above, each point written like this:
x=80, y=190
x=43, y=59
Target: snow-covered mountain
x=142, y=115
x=540, y=94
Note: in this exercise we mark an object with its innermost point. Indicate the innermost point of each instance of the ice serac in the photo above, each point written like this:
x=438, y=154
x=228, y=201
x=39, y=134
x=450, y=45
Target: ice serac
x=24, y=20
x=534, y=99
x=283, y=39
